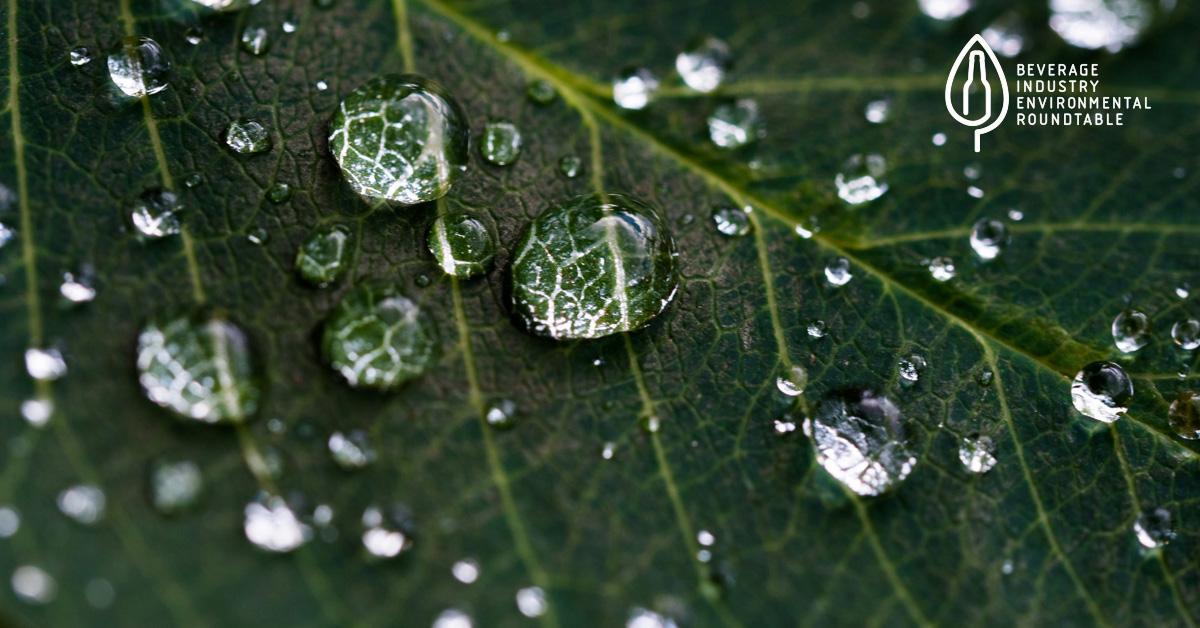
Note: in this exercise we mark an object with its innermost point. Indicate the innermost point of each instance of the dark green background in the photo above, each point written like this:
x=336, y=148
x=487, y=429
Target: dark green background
x=1107, y=222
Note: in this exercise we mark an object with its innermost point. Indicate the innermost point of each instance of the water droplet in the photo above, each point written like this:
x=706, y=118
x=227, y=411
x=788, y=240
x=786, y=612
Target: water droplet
x=83, y=503
x=1183, y=290
x=466, y=570
x=400, y=138
x=860, y=180
x=731, y=221
x=258, y=236
x=386, y=534
x=10, y=522
x=193, y=180
x=156, y=214
x=531, y=601
x=939, y=139
x=944, y=9
x=193, y=35
x=321, y=85
x=225, y=5
x=1016, y=215
x=650, y=424
x=1095, y=24
x=422, y=280
x=634, y=88
x=452, y=618
x=860, y=440
x=878, y=111
x=1006, y=567
x=461, y=244
x=6, y=234
x=735, y=124
x=351, y=451
x=45, y=364
x=271, y=525
x=288, y=26
x=977, y=453
x=593, y=266
x=816, y=329
x=502, y=414
x=80, y=55
x=1186, y=334
x=33, y=585
x=911, y=367
x=139, y=67
x=175, y=486
x=608, y=451
x=78, y=287
x=988, y=237
x=501, y=143
x=1102, y=391
x=570, y=166
x=255, y=40
x=1153, y=528
x=793, y=382
x=37, y=412
x=322, y=257
x=540, y=91
x=247, y=137
x=704, y=64
x=1006, y=35
x=942, y=268
x=279, y=193
x=198, y=367
x=1184, y=415
x=643, y=618
x=1131, y=330
x=985, y=377
x=378, y=338
x=784, y=426
x=837, y=272
x=972, y=171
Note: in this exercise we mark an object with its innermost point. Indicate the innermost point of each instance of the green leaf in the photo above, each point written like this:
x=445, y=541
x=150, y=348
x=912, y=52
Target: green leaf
x=578, y=499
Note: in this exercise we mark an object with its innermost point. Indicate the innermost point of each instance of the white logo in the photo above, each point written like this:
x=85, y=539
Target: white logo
x=978, y=55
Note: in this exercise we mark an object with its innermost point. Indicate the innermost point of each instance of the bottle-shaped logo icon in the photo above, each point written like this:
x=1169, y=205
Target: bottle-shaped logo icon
x=969, y=96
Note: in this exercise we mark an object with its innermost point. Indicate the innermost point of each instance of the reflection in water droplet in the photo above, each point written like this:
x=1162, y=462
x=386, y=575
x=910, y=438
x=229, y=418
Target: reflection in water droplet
x=731, y=221
x=83, y=503
x=322, y=257
x=351, y=451
x=977, y=453
x=270, y=524
x=501, y=143
x=793, y=382
x=156, y=214
x=198, y=367
x=1184, y=415
x=33, y=585
x=255, y=40
x=80, y=55
x=860, y=440
x=401, y=138
x=1131, y=330
x=139, y=67
x=570, y=165
x=944, y=9
x=247, y=137
x=461, y=244
x=540, y=91
x=634, y=88
x=1094, y=24
x=452, y=618
x=386, y=534
x=1153, y=528
x=531, y=601
x=45, y=364
x=837, y=272
x=1186, y=334
x=878, y=111
x=466, y=570
x=1102, y=391
x=378, y=338
x=175, y=486
x=704, y=64
x=988, y=237
x=860, y=180
x=735, y=124
x=942, y=268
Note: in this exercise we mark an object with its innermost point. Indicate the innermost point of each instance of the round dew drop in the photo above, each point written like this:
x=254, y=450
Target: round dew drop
x=462, y=244
x=400, y=138
x=1153, y=528
x=735, y=124
x=1186, y=334
x=860, y=440
x=255, y=40
x=1131, y=330
x=861, y=179
x=322, y=257
x=139, y=67
x=987, y=238
x=570, y=166
x=156, y=214
x=378, y=338
x=793, y=382
x=977, y=453
x=501, y=143
x=540, y=91
x=837, y=272
x=942, y=269
x=634, y=88
x=731, y=221
x=175, y=486
x=247, y=137
x=704, y=64
x=1102, y=391
x=1184, y=415
x=593, y=266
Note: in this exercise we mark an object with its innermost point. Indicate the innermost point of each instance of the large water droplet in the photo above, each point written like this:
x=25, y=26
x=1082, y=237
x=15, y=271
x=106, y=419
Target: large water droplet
x=400, y=138
x=860, y=180
x=199, y=367
x=351, y=451
x=1094, y=24
x=33, y=585
x=247, y=137
x=322, y=257
x=1184, y=415
x=466, y=570
x=1131, y=330
x=860, y=440
x=175, y=486
x=1153, y=528
x=83, y=503
x=37, y=411
x=735, y=124
x=977, y=453
x=988, y=237
x=462, y=244
x=501, y=143
x=378, y=338
x=45, y=364
x=944, y=9
x=837, y=272
x=531, y=601
x=731, y=221
x=1102, y=391
x=386, y=532
x=139, y=67
x=1186, y=334
x=793, y=382
x=910, y=368
x=704, y=64
x=593, y=266
x=270, y=524
x=156, y=214
x=634, y=88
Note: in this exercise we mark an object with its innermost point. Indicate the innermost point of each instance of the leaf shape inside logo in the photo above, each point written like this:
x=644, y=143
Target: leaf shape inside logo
x=979, y=57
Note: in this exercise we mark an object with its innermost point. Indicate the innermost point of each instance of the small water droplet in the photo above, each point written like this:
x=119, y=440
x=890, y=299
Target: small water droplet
x=860, y=440
x=942, y=268
x=1183, y=290
x=193, y=180
x=531, y=601
x=6, y=234
x=1186, y=334
x=1095, y=24
x=139, y=67
x=608, y=451
x=351, y=451
x=37, y=411
x=279, y=193
x=501, y=143
x=378, y=338
x=878, y=111
x=258, y=236
x=634, y=88
x=1131, y=330
x=1016, y=215
x=422, y=281
x=985, y=377
x=910, y=368
x=837, y=272
x=816, y=328
x=10, y=521
x=386, y=532
x=1006, y=567
x=731, y=221
x=33, y=585
x=452, y=618
x=255, y=40
x=860, y=180
x=703, y=65
x=650, y=424
x=322, y=257
x=793, y=382
x=80, y=55
x=735, y=124
x=194, y=35
x=175, y=486
x=78, y=287
x=156, y=214
x=1184, y=415
x=45, y=364
x=466, y=570
x=540, y=91
x=289, y=26
x=1153, y=528
x=247, y=137
x=271, y=525
x=83, y=503
x=462, y=244
x=1102, y=391
x=939, y=139
x=99, y=593
x=944, y=10
x=988, y=237
x=784, y=426
x=570, y=166
x=502, y=414
x=977, y=453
